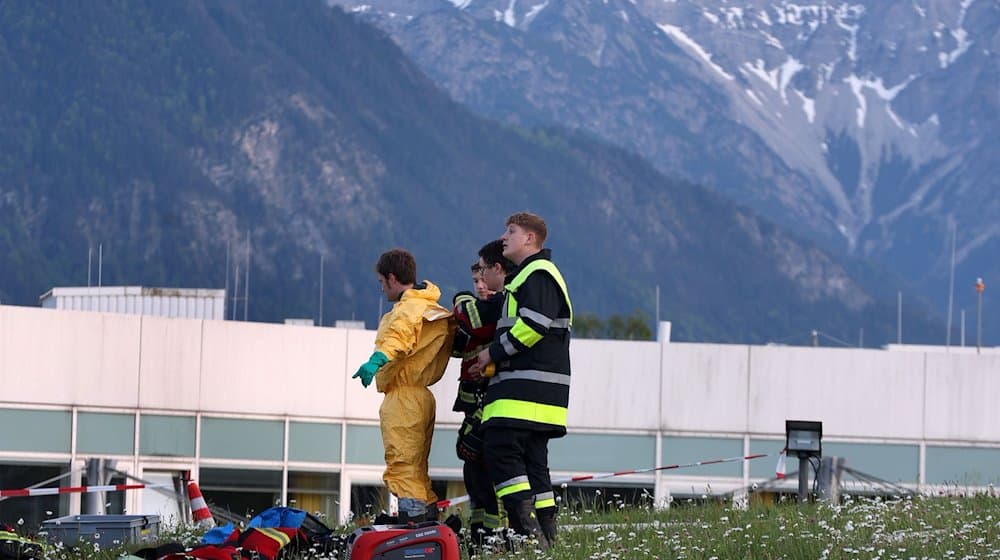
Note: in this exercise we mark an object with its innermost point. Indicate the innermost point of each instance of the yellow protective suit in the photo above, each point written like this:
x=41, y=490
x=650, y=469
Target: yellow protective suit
x=416, y=335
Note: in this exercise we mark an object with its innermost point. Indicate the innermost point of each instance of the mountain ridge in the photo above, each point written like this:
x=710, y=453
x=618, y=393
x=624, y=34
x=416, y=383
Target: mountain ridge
x=868, y=128
x=171, y=134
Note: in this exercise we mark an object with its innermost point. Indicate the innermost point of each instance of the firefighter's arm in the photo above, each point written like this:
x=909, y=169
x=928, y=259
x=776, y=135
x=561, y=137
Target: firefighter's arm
x=463, y=331
x=475, y=316
x=539, y=301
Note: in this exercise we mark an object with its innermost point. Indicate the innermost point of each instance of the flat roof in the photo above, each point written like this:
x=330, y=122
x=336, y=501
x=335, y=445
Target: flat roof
x=133, y=291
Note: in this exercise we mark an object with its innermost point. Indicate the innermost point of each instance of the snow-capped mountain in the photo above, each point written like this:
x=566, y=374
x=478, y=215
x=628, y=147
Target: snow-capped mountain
x=874, y=126
x=889, y=107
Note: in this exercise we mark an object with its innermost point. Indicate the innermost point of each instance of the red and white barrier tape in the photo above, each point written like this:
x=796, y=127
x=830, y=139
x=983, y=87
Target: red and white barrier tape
x=77, y=489
x=462, y=499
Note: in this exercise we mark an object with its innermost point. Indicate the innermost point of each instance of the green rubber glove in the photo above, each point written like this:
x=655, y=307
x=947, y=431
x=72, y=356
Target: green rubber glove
x=367, y=371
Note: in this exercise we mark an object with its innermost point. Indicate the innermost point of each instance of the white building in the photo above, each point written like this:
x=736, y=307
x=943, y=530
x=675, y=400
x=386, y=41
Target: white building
x=264, y=413
x=164, y=302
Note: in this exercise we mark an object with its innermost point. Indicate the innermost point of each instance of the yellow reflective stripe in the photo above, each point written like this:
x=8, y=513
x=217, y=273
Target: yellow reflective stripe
x=491, y=521
x=477, y=515
x=525, y=334
x=547, y=266
x=550, y=502
x=282, y=538
x=466, y=396
x=508, y=490
x=14, y=537
x=474, y=319
x=525, y=410
x=468, y=304
x=511, y=307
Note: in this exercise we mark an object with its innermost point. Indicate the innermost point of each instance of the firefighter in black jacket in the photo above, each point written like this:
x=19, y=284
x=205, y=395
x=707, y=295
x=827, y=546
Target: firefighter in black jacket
x=477, y=317
x=527, y=399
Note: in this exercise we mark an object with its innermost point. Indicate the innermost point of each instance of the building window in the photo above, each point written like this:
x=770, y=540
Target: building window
x=168, y=436
x=243, y=492
x=105, y=433
x=315, y=492
x=34, y=509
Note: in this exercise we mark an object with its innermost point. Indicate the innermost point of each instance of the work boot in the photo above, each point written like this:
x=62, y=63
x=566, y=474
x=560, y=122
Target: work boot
x=524, y=521
x=547, y=519
x=477, y=535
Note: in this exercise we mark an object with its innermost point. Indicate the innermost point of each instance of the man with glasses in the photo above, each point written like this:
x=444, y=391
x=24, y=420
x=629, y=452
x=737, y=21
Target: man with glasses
x=477, y=317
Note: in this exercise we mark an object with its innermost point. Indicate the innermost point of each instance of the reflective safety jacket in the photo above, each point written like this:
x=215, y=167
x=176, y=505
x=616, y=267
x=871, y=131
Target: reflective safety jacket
x=13, y=545
x=477, y=321
x=531, y=351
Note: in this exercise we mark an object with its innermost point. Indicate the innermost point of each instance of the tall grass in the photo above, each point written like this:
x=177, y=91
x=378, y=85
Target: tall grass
x=859, y=528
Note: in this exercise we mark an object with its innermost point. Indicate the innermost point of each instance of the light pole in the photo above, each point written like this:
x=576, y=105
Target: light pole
x=980, y=286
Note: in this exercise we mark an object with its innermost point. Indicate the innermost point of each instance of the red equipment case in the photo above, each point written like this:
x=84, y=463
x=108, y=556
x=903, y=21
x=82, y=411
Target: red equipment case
x=426, y=541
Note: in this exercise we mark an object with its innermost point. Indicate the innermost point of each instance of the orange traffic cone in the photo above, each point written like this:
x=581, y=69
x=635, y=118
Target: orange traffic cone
x=199, y=508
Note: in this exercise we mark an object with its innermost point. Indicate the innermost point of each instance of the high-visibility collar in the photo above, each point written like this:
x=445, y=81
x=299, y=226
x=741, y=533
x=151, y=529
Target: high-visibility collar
x=544, y=265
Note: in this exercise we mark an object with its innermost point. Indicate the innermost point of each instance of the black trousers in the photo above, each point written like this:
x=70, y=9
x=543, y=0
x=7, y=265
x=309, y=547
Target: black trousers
x=479, y=485
x=514, y=454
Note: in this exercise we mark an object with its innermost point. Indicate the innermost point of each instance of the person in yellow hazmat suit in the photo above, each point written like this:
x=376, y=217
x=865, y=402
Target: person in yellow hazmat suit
x=412, y=348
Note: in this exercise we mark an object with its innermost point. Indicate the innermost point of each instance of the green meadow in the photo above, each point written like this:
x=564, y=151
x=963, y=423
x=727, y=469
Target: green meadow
x=920, y=527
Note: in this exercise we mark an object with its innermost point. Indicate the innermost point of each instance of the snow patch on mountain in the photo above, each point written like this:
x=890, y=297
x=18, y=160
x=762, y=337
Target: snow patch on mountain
x=794, y=14
x=684, y=41
x=787, y=71
x=778, y=78
x=843, y=16
x=534, y=11
x=760, y=70
x=808, y=106
x=508, y=15
x=734, y=17
x=772, y=40
x=887, y=94
x=961, y=37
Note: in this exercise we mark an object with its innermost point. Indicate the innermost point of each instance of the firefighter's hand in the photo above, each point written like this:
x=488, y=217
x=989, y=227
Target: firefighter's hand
x=367, y=371
x=469, y=447
x=481, y=362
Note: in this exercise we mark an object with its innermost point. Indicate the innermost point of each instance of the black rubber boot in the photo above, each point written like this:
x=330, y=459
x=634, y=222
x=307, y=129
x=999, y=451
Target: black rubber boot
x=477, y=534
x=547, y=519
x=524, y=521
x=432, y=513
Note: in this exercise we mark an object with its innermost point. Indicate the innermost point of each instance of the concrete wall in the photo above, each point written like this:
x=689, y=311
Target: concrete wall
x=929, y=417
x=54, y=357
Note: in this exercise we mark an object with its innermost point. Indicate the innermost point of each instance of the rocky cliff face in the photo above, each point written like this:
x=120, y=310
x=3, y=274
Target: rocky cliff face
x=889, y=107
x=866, y=126
x=172, y=133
